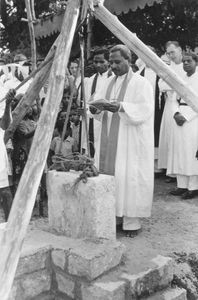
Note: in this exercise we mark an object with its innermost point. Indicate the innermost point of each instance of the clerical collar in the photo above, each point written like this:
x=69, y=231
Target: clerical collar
x=103, y=74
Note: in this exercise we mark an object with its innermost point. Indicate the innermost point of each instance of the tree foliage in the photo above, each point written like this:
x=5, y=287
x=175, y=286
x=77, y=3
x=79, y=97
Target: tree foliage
x=155, y=25
x=170, y=20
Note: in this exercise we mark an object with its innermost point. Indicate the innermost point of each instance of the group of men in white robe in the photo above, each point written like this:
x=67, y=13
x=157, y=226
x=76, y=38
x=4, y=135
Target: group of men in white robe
x=178, y=142
x=122, y=105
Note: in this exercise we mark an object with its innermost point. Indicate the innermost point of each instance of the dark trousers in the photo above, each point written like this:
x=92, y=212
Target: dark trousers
x=6, y=200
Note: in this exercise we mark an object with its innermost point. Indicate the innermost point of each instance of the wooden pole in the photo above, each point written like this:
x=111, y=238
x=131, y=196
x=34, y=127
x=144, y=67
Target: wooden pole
x=146, y=54
x=82, y=47
x=32, y=35
x=33, y=10
x=89, y=36
x=12, y=239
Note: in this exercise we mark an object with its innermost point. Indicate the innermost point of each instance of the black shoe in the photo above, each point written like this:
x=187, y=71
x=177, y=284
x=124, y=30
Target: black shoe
x=132, y=233
x=178, y=192
x=189, y=195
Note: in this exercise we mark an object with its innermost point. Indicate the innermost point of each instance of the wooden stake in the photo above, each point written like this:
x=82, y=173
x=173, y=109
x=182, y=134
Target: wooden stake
x=82, y=60
x=32, y=35
x=147, y=55
x=12, y=239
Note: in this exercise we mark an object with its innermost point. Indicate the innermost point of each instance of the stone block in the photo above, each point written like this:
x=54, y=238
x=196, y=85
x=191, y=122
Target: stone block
x=158, y=277
x=65, y=285
x=84, y=211
x=59, y=258
x=33, y=262
x=90, y=260
x=169, y=294
x=104, y=291
x=16, y=291
x=45, y=296
x=36, y=283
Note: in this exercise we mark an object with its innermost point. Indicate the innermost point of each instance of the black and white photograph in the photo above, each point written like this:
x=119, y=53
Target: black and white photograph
x=98, y=149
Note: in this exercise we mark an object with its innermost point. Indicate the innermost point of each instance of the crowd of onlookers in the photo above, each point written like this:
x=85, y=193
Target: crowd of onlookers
x=175, y=127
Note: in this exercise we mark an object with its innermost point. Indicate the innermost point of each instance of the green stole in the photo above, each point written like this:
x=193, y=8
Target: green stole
x=108, y=142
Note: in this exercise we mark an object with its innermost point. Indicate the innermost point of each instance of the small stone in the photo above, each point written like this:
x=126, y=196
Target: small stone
x=146, y=283
x=104, y=291
x=169, y=294
x=32, y=263
x=59, y=258
x=16, y=291
x=65, y=285
x=91, y=260
x=36, y=283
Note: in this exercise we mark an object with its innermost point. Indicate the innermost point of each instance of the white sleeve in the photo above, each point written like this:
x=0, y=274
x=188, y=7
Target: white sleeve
x=163, y=86
x=189, y=114
x=141, y=108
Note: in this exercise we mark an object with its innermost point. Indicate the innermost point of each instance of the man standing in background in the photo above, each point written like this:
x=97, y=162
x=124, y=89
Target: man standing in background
x=174, y=52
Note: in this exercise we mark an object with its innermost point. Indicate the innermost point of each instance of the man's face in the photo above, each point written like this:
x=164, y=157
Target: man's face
x=100, y=63
x=174, y=53
x=118, y=63
x=73, y=68
x=189, y=64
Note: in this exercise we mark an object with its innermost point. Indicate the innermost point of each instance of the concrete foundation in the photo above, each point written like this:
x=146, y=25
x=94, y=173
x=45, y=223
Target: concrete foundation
x=81, y=210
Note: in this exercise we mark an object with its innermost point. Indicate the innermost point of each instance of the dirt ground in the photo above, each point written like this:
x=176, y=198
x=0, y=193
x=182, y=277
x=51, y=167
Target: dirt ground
x=171, y=231
x=172, y=228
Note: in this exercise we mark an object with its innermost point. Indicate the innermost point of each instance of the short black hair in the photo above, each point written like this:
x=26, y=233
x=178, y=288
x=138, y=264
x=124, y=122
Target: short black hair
x=191, y=54
x=103, y=51
x=175, y=43
x=124, y=50
x=76, y=61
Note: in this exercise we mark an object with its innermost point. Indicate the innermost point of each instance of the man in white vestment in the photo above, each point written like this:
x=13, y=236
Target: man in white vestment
x=182, y=160
x=174, y=52
x=126, y=145
x=93, y=85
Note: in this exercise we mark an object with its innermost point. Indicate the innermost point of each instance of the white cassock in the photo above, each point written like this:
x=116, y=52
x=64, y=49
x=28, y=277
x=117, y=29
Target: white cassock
x=152, y=77
x=9, y=81
x=184, y=143
x=134, y=160
x=167, y=118
x=12, y=68
x=100, y=85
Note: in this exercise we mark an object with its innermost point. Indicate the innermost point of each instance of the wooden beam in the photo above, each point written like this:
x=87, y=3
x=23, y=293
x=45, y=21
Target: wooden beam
x=12, y=239
x=146, y=54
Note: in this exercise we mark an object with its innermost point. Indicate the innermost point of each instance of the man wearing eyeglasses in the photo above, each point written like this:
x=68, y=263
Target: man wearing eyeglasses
x=174, y=52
